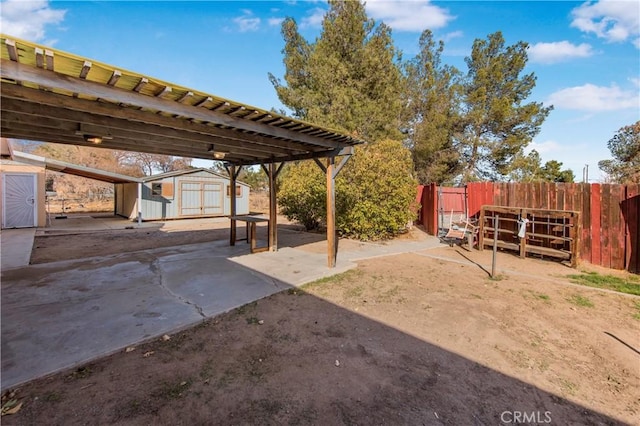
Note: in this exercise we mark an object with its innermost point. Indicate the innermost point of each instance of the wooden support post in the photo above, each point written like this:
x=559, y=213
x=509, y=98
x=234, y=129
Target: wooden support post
x=496, y=226
x=481, y=231
x=139, y=203
x=523, y=241
x=574, y=233
x=273, y=208
x=331, y=214
x=232, y=205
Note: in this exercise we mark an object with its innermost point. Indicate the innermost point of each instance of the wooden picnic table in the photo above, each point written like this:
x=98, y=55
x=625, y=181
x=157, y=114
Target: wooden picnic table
x=250, y=236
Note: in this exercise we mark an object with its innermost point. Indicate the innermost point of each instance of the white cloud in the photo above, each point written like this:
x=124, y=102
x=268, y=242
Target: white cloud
x=247, y=22
x=28, y=19
x=635, y=81
x=545, y=147
x=275, y=22
x=452, y=35
x=612, y=20
x=314, y=20
x=410, y=15
x=594, y=98
x=548, y=53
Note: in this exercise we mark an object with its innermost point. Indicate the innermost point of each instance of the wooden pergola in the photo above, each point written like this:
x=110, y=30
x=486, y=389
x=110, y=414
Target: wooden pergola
x=53, y=96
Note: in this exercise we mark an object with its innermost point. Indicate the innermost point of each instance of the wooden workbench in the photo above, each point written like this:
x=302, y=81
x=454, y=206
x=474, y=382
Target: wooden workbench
x=250, y=235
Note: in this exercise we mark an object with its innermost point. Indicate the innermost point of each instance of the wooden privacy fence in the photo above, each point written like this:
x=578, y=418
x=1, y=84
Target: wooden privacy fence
x=609, y=214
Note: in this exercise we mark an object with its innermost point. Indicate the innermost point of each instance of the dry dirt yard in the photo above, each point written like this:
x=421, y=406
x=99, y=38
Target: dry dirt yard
x=422, y=338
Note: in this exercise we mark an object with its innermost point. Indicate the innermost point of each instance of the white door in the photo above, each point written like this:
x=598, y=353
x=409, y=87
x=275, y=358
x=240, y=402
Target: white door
x=200, y=198
x=211, y=198
x=19, y=204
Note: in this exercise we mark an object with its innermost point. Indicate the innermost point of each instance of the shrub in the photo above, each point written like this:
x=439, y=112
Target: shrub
x=302, y=194
x=375, y=192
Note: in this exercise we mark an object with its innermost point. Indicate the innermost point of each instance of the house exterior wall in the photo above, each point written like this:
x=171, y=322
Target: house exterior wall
x=8, y=166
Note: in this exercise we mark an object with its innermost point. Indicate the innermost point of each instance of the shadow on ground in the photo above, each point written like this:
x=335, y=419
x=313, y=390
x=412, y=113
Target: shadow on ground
x=60, y=244
x=291, y=358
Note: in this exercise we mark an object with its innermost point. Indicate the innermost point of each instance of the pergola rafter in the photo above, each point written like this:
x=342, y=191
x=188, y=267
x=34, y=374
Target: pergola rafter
x=53, y=96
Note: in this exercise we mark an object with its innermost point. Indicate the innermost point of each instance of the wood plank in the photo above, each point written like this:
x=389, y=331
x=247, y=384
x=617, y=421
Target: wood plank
x=48, y=55
x=11, y=48
x=498, y=195
x=595, y=231
x=519, y=198
x=86, y=67
x=617, y=237
x=482, y=229
x=16, y=71
x=474, y=200
x=537, y=195
x=632, y=219
x=545, y=251
x=568, y=196
x=585, y=236
x=553, y=195
x=419, y=219
x=574, y=232
x=576, y=201
x=140, y=133
x=58, y=107
x=560, y=192
x=470, y=201
x=605, y=227
x=544, y=195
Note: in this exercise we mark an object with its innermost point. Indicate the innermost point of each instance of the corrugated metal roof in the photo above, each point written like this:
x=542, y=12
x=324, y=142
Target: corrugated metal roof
x=55, y=96
x=73, y=169
x=175, y=173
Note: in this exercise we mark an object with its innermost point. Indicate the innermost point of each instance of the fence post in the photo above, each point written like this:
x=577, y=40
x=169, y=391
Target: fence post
x=496, y=223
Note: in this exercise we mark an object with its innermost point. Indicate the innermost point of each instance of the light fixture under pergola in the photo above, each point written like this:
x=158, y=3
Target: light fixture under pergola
x=218, y=155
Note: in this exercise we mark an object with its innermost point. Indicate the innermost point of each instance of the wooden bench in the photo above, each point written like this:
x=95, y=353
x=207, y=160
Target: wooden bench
x=250, y=236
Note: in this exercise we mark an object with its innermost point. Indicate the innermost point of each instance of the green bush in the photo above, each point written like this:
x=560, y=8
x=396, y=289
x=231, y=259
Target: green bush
x=302, y=194
x=375, y=192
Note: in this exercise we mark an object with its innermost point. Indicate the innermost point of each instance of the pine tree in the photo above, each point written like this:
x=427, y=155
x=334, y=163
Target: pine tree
x=498, y=123
x=433, y=91
x=625, y=148
x=348, y=79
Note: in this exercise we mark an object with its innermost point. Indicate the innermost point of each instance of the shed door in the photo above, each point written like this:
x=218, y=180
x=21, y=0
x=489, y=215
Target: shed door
x=212, y=198
x=200, y=198
x=19, y=200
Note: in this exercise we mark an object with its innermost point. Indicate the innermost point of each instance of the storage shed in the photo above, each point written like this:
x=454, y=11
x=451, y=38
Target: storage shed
x=181, y=194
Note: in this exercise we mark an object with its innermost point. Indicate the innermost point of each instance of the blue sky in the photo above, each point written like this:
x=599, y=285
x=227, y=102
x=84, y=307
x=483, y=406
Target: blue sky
x=586, y=55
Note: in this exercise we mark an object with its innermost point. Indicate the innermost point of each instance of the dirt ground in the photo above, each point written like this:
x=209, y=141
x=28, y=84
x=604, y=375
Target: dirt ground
x=423, y=338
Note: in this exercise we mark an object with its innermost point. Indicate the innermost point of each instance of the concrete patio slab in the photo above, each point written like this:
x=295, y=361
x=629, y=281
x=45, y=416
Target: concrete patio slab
x=59, y=315
x=15, y=247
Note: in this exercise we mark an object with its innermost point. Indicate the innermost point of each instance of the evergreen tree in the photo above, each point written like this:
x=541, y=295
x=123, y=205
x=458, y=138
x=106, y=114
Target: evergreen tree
x=552, y=172
x=348, y=79
x=432, y=106
x=526, y=168
x=529, y=168
x=497, y=122
x=625, y=148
